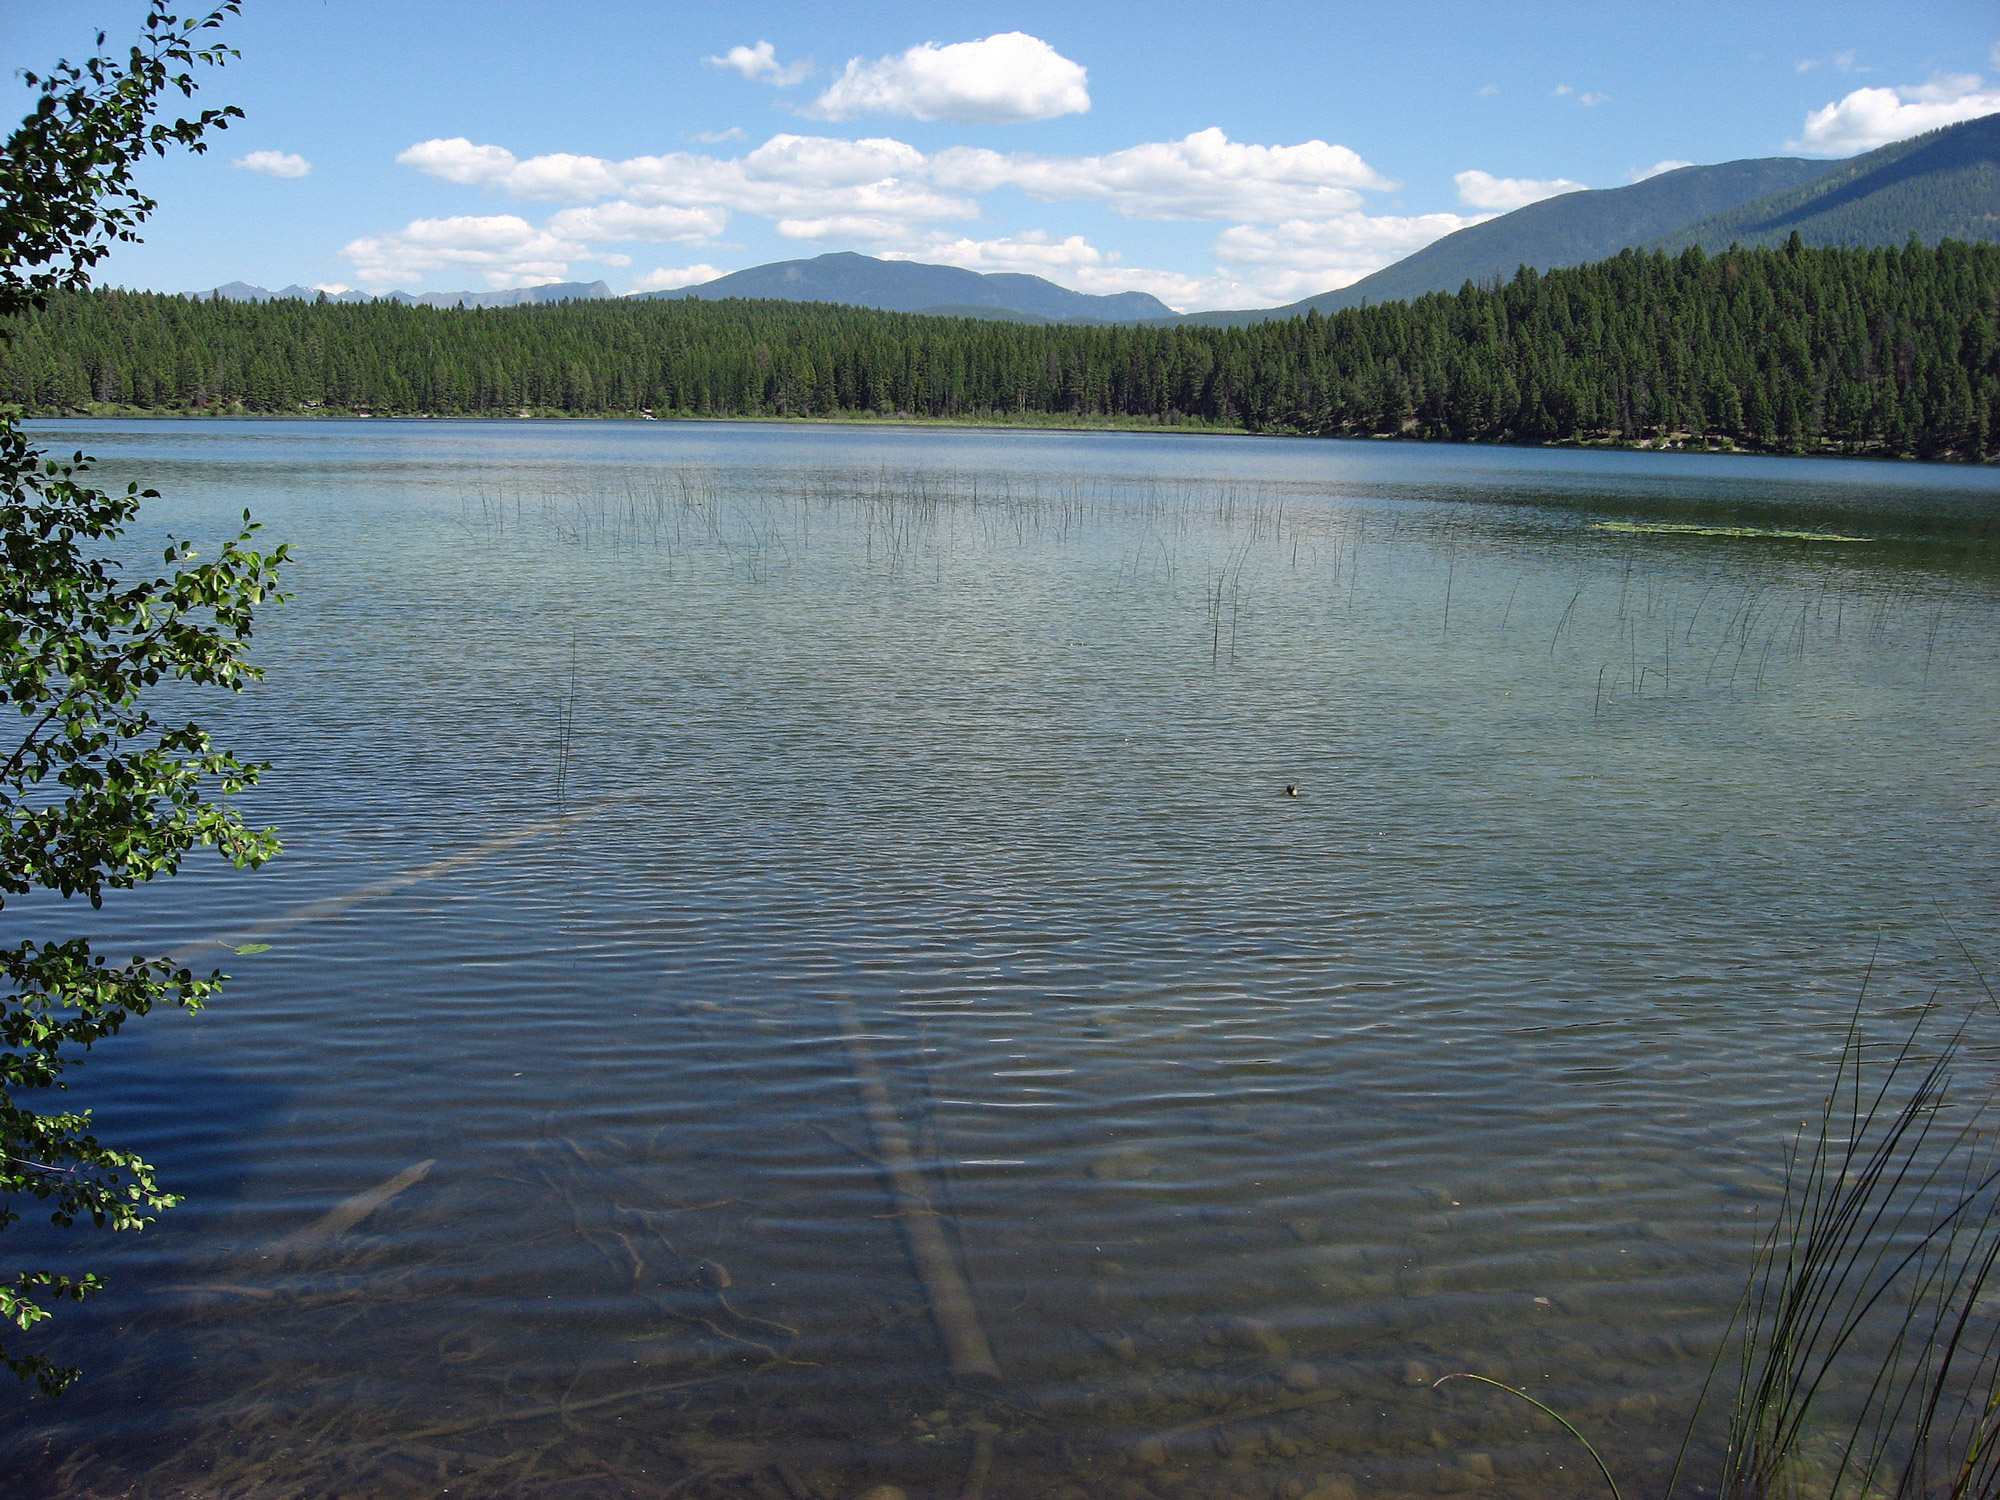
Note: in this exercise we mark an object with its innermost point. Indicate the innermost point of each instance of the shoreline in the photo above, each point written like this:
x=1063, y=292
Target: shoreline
x=1725, y=447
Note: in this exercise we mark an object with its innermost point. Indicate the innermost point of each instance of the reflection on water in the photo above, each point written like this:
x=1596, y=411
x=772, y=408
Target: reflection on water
x=1245, y=1116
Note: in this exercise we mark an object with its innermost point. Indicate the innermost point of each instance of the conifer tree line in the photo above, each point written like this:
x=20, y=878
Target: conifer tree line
x=1886, y=351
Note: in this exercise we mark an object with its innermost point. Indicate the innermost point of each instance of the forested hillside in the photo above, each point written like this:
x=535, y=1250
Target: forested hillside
x=1570, y=230
x=1942, y=185
x=1891, y=351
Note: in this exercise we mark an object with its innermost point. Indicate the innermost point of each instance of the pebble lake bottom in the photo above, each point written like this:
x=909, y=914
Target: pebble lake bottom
x=714, y=849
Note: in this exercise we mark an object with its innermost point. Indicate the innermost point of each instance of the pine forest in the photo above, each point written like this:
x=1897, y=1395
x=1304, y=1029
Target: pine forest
x=1892, y=352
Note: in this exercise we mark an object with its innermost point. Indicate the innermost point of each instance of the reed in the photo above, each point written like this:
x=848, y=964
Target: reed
x=565, y=731
x=1864, y=1361
x=1868, y=1352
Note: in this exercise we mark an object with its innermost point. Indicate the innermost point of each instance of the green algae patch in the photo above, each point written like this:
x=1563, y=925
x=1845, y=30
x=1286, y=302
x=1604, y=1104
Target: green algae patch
x=1667, y=528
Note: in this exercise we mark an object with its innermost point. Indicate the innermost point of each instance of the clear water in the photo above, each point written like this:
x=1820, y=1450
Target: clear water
x=619, y=765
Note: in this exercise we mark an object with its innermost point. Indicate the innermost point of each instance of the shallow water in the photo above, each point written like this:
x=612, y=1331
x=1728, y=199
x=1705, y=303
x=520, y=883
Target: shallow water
x=648, y=753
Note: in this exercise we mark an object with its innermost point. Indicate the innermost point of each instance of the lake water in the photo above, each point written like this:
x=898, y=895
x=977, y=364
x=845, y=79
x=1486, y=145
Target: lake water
x=628, y=773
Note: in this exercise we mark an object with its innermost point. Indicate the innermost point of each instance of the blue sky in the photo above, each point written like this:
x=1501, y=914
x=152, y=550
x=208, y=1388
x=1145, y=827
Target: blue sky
x=1214, y=155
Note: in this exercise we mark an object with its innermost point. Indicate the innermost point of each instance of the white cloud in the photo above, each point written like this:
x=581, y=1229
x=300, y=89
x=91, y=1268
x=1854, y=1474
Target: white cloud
x=810, y=178
x=1591, y=100
x=458, y=160
x=562, y=178
x=1486, y=91
x=332, y=288
x=1202, y=176
x=819, y=161
x=619, y=220
x=1035, y=251
x=760, y=64
x=789, y=176
x=1072, y=262
x=887, y=196
x=559, y=177
x=1868, y=118
x=1669, y=164
x=505, y=249
x=1840, y=62
x=1008, y=78
x=1561, y=89
x=667, y=278
x=1502, y=194
x=1300, y=258
x=719, y=137
x=274, y=163
x=865, y=229
x=1256, y=265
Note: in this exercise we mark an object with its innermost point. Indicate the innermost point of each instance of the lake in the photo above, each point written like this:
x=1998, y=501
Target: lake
x=676, y=814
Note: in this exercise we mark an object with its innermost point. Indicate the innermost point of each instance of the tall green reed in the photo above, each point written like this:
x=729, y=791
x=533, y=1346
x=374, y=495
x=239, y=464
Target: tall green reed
x=1868, y=1347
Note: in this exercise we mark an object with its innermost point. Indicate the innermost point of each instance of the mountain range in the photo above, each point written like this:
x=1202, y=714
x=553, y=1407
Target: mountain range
x=1942, y=185
x=1571, y=230
x=1945, y=184
x=913, y=287
x=553, y=291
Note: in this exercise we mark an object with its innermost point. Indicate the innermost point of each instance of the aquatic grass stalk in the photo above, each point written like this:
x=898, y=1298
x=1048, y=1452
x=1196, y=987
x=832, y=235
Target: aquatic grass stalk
x=1867, y=1339
x=1588, y=1447
x=1868, y=1352
x=565, y=728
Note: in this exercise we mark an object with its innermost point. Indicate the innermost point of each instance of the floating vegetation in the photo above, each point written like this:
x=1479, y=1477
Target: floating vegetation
x=1674, y=528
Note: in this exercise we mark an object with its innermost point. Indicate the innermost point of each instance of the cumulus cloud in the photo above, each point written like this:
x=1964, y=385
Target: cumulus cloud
x=503, y=248
x=1034, y=251
x=1072, y=262
x=1669, y=164
x=667, y=278
x=1299, y=258
x=1298, y=222
x=1868, y=118
x=1008, y=78
x=458, y=160
x=1501, y=195
x=1202, y=176
x=719, y=137
x=274, y=163
x=659, y=224
x=789, y=176
x=760, y=65
x=800, y=177
x=1256, y=264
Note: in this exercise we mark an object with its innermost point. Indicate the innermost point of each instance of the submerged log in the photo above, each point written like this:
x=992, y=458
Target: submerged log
x=970, y=1356
x=353, y=1210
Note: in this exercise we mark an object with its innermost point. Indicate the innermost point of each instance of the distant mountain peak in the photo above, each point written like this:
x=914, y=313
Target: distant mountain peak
x=912, y=286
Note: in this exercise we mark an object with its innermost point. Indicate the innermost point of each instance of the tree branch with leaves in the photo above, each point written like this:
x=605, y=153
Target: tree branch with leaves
x=100, y=791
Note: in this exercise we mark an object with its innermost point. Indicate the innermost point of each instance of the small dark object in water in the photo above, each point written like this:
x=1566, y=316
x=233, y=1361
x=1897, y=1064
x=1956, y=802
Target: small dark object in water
x=1291, y=790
